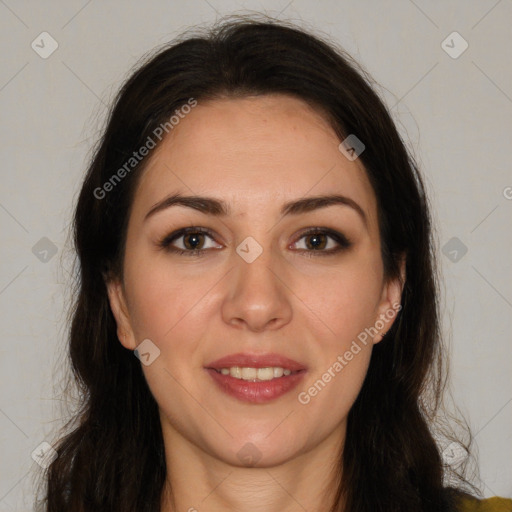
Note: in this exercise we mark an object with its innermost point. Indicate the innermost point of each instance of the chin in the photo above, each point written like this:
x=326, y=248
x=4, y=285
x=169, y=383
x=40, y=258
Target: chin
x=262, y=450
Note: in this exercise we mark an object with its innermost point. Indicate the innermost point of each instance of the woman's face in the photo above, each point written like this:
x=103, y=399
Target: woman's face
x=262, y=290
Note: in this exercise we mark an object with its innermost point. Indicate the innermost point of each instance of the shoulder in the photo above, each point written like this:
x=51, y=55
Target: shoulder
x=496, y=504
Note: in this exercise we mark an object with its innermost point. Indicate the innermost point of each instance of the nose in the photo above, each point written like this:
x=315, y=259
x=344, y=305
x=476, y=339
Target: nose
x=257, y=296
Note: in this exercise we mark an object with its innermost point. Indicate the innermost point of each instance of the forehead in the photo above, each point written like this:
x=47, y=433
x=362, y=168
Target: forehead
x=254, y=152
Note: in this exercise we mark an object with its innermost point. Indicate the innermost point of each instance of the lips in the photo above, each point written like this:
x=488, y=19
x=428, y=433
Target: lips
x=256, y=391
x=256, y=361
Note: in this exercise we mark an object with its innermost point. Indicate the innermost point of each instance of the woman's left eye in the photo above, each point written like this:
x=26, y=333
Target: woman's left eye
x=316, y=242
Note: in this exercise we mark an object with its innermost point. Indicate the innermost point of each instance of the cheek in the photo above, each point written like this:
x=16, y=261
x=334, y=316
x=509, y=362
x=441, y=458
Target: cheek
x=168, y=303
x=330, y=392
x=342, y=351
x=344, y=299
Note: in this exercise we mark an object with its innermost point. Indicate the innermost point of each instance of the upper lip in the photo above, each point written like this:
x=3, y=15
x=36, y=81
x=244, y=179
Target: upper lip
x=256, y=361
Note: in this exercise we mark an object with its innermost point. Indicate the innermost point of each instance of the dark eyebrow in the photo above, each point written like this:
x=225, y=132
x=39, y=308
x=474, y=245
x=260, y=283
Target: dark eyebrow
x=220, y=208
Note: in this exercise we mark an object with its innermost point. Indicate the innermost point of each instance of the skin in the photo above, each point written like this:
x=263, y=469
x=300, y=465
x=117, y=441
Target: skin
x=255, y=153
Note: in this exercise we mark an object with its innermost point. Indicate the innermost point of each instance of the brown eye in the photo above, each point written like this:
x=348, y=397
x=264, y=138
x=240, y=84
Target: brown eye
x=192, y=241
x=322, y=242
x=315, y=242
x=188, y=241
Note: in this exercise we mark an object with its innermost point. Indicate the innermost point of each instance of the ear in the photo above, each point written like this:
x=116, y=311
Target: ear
x=389, y=305
x=116, y=296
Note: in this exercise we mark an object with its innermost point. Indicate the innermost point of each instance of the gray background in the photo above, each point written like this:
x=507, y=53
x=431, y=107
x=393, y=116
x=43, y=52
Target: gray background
x=454, y=112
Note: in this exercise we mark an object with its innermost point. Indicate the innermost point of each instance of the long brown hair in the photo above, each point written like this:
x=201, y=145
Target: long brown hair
x=112, y=456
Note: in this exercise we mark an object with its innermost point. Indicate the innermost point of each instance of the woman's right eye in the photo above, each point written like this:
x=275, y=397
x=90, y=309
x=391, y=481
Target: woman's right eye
x=191, y=239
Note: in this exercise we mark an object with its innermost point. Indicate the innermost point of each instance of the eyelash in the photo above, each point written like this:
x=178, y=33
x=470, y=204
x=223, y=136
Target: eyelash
x=343, y=242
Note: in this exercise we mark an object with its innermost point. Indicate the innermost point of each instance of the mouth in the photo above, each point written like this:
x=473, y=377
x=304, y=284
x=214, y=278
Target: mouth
x=256, y=378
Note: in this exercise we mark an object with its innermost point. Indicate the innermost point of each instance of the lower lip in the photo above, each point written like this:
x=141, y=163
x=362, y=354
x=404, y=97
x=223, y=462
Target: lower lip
x=256, y=392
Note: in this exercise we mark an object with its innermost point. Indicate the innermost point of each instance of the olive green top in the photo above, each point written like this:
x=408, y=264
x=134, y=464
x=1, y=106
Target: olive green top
x=489, y=505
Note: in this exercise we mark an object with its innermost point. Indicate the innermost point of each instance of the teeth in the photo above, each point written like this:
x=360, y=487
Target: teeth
x=255, y=374
x=252, y=373
x=278, y=372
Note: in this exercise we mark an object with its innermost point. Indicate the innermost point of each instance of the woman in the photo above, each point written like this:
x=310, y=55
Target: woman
x=256, y=325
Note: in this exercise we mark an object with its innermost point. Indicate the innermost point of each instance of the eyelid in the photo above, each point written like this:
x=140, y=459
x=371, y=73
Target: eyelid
x=168, y=239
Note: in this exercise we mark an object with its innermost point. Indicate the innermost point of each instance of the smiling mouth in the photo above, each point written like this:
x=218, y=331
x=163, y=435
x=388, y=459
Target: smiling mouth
x=256, y=385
